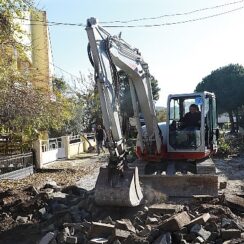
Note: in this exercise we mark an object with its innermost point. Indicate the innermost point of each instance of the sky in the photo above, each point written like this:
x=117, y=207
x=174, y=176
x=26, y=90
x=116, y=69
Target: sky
x=179, y=56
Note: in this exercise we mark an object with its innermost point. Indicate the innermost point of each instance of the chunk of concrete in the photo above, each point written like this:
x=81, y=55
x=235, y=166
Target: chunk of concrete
x=235, y=202
x=199, y=239
x=176, y=222
x=151, y=220
x=230, y=234
x=145, y=231
x=48, y=238
x=71, y=239
x=198, y=229
x=201, y=220
x=125, y=224
x=163, y=239
x=164, y=208
x=121, y=234
x=22, y=220
x=101, y=230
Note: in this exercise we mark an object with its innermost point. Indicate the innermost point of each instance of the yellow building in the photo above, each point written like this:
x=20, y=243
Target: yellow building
x=38, y=53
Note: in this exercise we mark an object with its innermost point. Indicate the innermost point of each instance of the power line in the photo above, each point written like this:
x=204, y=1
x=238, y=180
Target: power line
x=53, y=23
x=171, y=15
x=174, y=23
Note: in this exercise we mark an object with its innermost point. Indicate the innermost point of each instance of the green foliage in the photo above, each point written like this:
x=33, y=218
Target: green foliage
x=229, y=144
x=59, y=85
x=224, y=147
x=125, y=101
x=228, y=85
x=162, y=115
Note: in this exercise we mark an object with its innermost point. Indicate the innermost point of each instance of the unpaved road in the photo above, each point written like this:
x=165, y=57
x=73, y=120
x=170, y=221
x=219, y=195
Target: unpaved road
x=83, y=170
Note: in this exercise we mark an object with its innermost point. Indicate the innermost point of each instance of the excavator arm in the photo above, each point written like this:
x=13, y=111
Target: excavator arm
x=107, y=54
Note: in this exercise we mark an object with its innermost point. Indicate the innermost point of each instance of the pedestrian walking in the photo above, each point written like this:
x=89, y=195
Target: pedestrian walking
x=100, y=137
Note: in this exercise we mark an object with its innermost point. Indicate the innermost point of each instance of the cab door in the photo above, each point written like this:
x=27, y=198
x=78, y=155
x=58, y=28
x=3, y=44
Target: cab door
x=211, y=128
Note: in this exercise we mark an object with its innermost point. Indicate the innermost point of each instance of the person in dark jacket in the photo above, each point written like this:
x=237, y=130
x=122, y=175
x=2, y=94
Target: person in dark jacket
x=100, y=137
x=192, y=119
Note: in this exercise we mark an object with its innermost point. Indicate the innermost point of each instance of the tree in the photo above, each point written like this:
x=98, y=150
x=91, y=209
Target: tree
x=125, y=101
x=24, y=109
x=228, y=85
x=161, y=114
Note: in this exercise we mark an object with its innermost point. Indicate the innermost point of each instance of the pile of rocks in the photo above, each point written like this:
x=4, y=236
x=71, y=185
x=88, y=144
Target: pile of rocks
x=69, y=215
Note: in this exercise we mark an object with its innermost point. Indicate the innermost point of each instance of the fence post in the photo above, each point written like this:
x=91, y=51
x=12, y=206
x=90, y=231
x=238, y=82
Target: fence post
x=38, y=151
x=65, y=140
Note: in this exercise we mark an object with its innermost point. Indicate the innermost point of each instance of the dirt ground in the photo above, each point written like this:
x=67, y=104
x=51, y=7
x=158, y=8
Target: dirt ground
x=82, y=171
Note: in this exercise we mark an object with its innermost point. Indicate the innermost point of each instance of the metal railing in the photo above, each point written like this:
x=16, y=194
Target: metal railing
x=74, y=139
x=15, y=162
x=51, y=144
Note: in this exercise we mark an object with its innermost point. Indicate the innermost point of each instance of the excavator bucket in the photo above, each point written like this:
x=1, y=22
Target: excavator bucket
x=122, y=190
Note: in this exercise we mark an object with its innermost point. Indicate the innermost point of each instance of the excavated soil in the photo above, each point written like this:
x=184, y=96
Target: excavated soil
x=27, y=211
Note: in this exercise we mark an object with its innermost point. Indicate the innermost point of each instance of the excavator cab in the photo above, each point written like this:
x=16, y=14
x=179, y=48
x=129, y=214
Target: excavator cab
x=192, y=130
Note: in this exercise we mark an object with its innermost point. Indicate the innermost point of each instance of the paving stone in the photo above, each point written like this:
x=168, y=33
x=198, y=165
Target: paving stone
x=151, y=220
x=202, y=198
x=138, y=221
x=59, y=195
x=22, y=220
x=42, y=211
x=198, y=229
x=235, y=202
x=139, y=228
x=146, y=231
x=125, y=224
x=71, y=239
x=101, y=230
x=199, y=239
x=230, y=234
x=190, y=237
x=229, y=224
x=201, y=220
x=176, y=222
x=121, y=234
x=48, y=238
x=163, y=239
x=214, y=236
x=164, y=208
x=211, y=226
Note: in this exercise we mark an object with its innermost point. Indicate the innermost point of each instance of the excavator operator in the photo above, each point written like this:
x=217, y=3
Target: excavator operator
x=192, y=119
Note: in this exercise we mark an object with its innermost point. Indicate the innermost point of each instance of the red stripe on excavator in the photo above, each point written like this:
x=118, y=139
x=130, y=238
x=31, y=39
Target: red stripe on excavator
x=170, y=155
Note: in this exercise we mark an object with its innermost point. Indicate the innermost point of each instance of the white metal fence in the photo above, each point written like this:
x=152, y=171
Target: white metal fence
x=62, y=147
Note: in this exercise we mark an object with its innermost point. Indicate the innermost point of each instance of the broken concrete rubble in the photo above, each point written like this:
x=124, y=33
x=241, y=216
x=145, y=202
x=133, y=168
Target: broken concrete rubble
x=72, y=222
x=176, y=222
x=230, y=234
x=72, y=214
